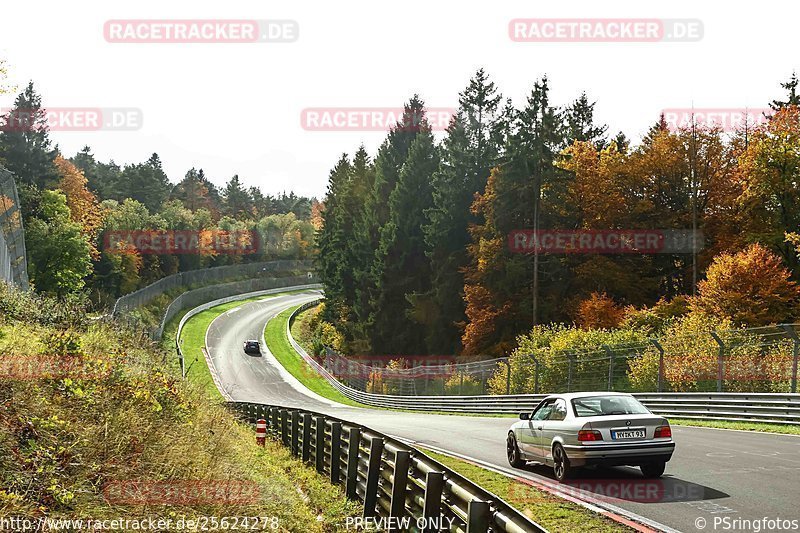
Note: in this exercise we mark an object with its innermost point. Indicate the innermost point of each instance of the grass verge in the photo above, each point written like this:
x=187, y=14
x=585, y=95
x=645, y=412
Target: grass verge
x=551, y=512
x=278, y=344
x=741, y=425
x=99, y=429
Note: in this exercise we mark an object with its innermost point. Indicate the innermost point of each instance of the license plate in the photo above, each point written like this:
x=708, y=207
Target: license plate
x=628, y=434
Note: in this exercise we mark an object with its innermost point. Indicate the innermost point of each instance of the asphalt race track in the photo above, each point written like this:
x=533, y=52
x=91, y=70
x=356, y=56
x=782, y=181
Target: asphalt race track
x=714, y=474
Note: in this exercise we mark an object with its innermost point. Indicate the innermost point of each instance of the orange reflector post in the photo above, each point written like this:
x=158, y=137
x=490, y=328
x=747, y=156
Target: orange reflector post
x=261, y=431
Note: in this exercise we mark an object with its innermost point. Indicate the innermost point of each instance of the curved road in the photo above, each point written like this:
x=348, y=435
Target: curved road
x=714, y=474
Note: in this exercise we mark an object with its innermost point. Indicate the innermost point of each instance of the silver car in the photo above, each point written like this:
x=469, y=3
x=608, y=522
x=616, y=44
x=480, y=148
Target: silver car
x=566, y=431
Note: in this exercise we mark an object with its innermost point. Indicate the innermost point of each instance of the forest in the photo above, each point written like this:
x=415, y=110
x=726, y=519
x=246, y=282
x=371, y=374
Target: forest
x=70, y=203
x=414, y=244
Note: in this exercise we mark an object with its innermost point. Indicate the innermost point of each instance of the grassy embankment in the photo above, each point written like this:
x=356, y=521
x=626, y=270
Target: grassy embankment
x=86, y=406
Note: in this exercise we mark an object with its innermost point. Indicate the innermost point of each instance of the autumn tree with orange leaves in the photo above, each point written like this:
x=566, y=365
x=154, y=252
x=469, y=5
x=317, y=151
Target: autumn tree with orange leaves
x=599, y=311
x=752, y=287
x=83, y=205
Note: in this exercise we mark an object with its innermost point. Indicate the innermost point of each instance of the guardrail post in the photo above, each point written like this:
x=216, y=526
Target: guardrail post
x=353, y=447
x=720, y=361
x=284, y=426
x=432, y=506
x=319, y=443
x=295, y=432
x=275, y=424
x=660, y=386
x=478, y=517
x=306, y=451
x=397, y=506
x=610, y=366
x=792, y=334
x=373, y=476
x=508, y=376
x=336, y=451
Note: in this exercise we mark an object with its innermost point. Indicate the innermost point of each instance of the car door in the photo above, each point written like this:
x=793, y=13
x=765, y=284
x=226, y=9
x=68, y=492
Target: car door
x=551, y=426
x=531, y=434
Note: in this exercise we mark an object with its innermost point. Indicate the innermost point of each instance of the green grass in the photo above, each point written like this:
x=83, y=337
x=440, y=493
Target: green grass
x=551, y=512
x=742, y=425
x=278, y=344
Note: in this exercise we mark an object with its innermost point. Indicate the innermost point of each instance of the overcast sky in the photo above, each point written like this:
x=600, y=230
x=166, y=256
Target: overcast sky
x=235, y=108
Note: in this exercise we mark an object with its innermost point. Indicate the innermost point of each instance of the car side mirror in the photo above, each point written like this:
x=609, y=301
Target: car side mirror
x=524, y=416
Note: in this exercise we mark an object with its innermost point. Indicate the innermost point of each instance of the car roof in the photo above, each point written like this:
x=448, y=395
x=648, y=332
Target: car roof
x=573, y=395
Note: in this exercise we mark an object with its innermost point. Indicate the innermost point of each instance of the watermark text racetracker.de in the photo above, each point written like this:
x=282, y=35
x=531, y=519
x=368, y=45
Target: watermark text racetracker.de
x=168, y=242
x=731, y=119
x=72, y=119
x=373, y=119
x=597, y=241
x=604, y=30
x=201, y=31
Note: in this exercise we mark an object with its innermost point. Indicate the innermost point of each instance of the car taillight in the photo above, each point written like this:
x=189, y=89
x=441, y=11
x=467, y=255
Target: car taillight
x=663, y=432
x=584, y=435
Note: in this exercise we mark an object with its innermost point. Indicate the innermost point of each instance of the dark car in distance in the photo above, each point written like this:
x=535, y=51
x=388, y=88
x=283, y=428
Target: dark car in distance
x=252, y=347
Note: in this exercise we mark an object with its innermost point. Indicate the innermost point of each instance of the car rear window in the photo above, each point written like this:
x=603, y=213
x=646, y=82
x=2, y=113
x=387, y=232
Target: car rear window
x=608, y=406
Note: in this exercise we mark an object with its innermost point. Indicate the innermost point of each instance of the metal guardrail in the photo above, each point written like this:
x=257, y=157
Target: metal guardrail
x=393, y=480
x=144, y=295
x=776, y=408
x=288, y=286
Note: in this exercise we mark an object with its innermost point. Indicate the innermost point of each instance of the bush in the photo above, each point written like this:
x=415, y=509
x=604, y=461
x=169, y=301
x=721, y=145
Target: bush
x=751, y=287
x=463, y=384
x=550, y=345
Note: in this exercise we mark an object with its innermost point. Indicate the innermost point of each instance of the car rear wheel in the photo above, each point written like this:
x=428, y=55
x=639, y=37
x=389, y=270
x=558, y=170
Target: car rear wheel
x=561, y=467
x=653, y=470
x=512, y=451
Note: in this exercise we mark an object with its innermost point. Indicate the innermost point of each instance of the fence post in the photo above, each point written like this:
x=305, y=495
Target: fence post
x=319, y=443
x=610, y=354
x=535, y=373
x=306, y=453
x=478, y=516
x=431, y=508
x=397, y=506
x=570, y=364
x=373, y=476
x=508, y=376
x=353, y=446
x=336, y=451
x=720, y=361
x=791, y=333
x=660, y=386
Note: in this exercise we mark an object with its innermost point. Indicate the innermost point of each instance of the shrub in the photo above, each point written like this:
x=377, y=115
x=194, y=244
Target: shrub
x=462, y=384
x=550, y=345
x=599, y=311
